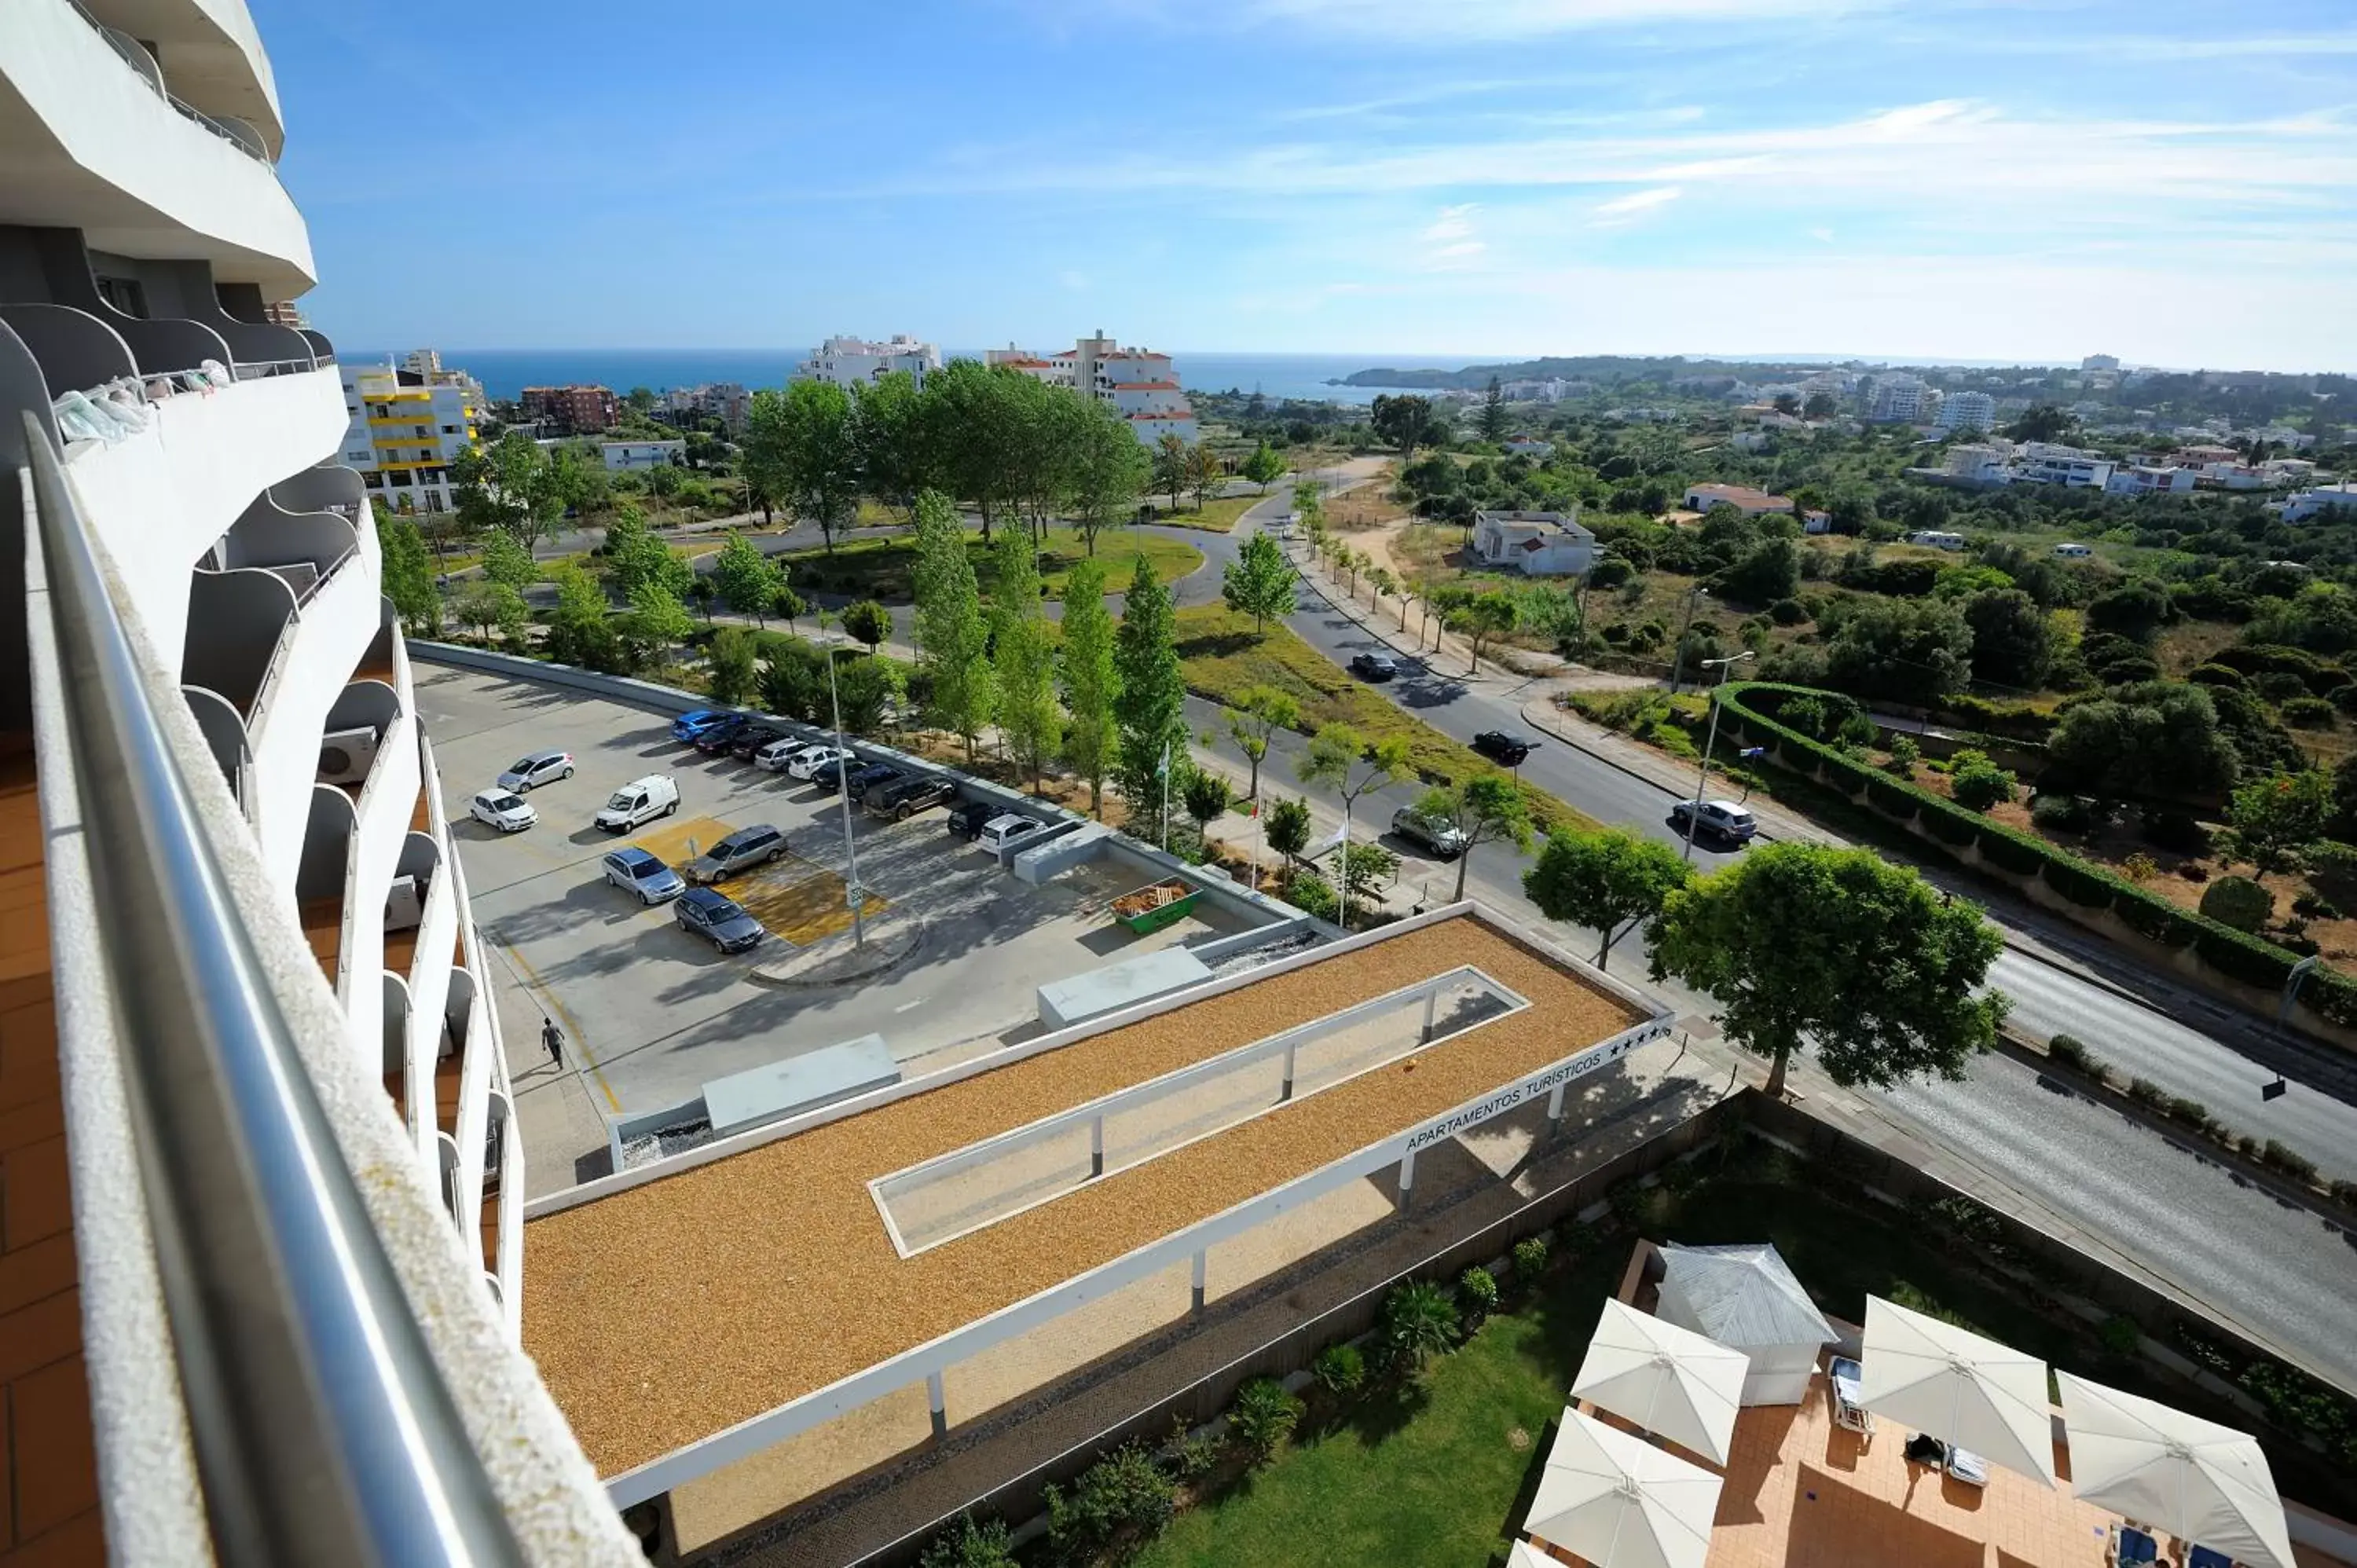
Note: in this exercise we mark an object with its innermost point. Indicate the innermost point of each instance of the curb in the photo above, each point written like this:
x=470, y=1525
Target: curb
x=886, y=951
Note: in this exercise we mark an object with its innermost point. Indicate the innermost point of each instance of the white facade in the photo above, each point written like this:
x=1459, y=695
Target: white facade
x=405, y=426
x=1742, y=498
x=1536, y=543
x=622, y=456
x=1970, y=412
x=2308, y=505
x=1898, y=400
x=858, y=362
x=1530, y=447
x=2150, y=479
x=2043, y=463
x=1141, y=383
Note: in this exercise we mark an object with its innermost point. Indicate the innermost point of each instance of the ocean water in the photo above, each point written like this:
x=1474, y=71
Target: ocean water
x=505, y=371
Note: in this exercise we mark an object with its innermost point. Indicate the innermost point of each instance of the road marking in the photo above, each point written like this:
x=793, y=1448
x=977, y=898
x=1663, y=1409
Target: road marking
x=533, y=984
x=904, y=1006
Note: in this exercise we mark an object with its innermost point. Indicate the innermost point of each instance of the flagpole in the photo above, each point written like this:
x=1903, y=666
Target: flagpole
x=1166, y=797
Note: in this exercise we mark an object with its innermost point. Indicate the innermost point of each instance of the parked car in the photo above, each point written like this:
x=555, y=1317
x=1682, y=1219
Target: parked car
x=711, y=916
x=1437, y=834
x=1722, y=819
x=502, y=808
x=1500, y=746
x=756, y=846
x=752, y=738
x=778, y=753
x=695, y=721
x=640, y=800
x=828, y=775
x=966, y=818
x=862, y=779
x=634, y=871
x=902, y=797
x=722, y=736
x=1010, y=831
x=540, y=768
x=805, y=764
x=1375, y=666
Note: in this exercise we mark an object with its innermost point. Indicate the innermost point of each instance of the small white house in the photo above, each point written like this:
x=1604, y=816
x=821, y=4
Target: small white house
x=1816, y=522
x=624, y=455
x=2073, y=551
x=1746, y=1298
x=1536, y=543
x=1537, y=451
x=2314, y=503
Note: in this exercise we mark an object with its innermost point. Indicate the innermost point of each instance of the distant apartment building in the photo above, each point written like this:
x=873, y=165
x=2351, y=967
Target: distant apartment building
x=2308, y=505
x=2150, y=479
x=858, y=362
x=2044, y=463
x=1141, y=383
x=1530, y=447
x=407, y=424
x=1979, y=463
x=622, y=456
x=574, y=409
x=1899, y=400
x=1967, y=412
x=1742, y=498
x=2100, y=362
x=727, y=400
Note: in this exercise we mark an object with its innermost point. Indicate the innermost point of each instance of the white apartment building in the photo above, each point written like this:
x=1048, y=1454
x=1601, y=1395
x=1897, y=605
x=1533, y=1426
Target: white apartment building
x=2150, y=479
x=857, y=362
x=1899, y=400
x=406, y=425
x=1141, y=383
x=2310, y=505
x=624, y=456
x=1970, y=412
x=2044, y=463
x=1979, y=463
x=242, y=981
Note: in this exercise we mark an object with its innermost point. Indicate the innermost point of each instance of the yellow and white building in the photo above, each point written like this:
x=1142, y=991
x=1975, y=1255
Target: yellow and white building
x=408, y=425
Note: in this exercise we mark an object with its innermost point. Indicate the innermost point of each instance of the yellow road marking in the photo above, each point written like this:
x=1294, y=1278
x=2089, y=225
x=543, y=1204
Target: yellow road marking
x=669, y=842
x=797, y=900
x=580, y=1040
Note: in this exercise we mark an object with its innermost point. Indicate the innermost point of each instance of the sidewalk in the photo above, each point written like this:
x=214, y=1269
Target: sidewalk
x=1242, y=835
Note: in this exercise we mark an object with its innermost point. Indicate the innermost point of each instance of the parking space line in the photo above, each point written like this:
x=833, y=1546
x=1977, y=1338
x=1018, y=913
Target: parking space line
x=539, y=988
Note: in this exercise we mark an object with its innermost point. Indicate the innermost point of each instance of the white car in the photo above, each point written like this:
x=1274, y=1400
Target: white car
x=778, y=753
x=502, y=808
x=1002, y=833
x=805, y=763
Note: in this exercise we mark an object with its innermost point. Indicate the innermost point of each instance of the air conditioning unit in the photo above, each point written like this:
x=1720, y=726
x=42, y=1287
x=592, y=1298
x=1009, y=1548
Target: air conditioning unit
x=404, y=905
x=346, y=756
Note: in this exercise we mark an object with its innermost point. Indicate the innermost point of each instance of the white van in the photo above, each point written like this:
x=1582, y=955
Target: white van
x=640, y=800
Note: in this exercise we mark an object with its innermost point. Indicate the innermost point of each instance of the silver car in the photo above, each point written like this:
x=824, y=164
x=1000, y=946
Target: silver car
x=540, y=768
x=754, y=845
x=1438, y=834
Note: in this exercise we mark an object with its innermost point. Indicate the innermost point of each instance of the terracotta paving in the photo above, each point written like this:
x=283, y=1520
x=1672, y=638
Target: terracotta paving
x=49, y=1469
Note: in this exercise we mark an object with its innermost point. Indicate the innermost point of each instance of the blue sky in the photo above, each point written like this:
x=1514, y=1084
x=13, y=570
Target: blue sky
x=2172, y=182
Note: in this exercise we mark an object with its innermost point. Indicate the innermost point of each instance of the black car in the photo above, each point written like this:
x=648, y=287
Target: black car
x=722, y=736
x=966, y=818
x=901, y=799
x=828, y=776
x=876, y=774
x=717, y=919
x=752, y=738
x=1509, y=749
x=1375, y=666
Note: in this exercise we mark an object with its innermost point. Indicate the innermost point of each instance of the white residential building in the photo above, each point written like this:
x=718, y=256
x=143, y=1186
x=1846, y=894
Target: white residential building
x=2100, y=362
x=246, y=1005
x=1742, y=498
x=1536, y=543
x=2150, y=479
x=857, y=362
x=1530, y=447
x=405, y=427
x=1140, y=383
x=1898, y=400
x=622, y=456
x=1989, y=464
x=1969, y=413
x=2308, y=505
x=2044, y=463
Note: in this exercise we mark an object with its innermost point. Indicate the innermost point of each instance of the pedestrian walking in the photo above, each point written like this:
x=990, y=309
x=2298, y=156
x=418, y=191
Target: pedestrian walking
x=554, y=1038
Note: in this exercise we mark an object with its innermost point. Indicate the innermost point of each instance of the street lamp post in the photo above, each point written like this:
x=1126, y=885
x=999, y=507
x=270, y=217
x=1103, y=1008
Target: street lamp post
x=1678, y=660
x=853, y=892
x=1693, y=817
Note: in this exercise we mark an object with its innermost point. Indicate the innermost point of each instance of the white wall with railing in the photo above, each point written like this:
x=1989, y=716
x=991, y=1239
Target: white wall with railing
x=381, y=828
x=316, y=657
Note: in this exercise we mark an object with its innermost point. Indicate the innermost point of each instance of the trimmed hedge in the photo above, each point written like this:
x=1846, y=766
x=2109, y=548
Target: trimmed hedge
x=2249, y=960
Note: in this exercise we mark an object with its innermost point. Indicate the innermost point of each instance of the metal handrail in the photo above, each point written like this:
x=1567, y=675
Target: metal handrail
x=236, y=132
x=324, y=1431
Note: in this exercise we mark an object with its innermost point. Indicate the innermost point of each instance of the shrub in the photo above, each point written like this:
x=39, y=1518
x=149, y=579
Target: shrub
x=2288, y=1160
x=2217, y=675
x=1123, y=1498
x=2345, y=698
x=2157, y=919
x=1951, y=827
x=2072, y=1052
x=1191, y=1456
x=1263, y=1417
x=966, y=1544
x=2173, y=831
x=1530, y=1258
x=1892, y=798
x=1420, y=1326
x=2140, y=867
x=2308, y=712
x=2311, y=904
x=2144, y=1091
x=2185, y=1109
x=2009, y=851
x=1977, y=782
x=1339, y=1370
x=1479, y=1288
x=2239, y=902
x=2079, y=883
x=1787, y=612
x=1312, y=894
x=1903, y=755
x=2120, y=1334
x=2063, y=813
x=2344, y=1193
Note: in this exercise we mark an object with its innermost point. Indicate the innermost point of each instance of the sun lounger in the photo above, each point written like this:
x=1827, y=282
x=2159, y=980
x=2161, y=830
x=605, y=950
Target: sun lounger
x=1967, y=1466
x=1845, y=1379
x=2131, y=1546
x=2203, y=1557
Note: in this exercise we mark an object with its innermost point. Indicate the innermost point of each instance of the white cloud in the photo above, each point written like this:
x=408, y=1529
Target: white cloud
x=1622, y=209
x=1454, y=223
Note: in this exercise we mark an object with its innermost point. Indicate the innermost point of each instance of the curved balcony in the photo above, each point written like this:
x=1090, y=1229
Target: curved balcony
x=395, y=1039
x=382, y=804
x=74, y=349
x=320, y=882
x=424, y=955
x=225, y=732
x=146, y=174
x=303, y=548
x=502, y=1224
x=331, y=487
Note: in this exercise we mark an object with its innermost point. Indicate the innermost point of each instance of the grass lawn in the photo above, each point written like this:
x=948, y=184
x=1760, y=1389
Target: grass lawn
x=1222, y=658
x=1217, y=515
x=884, y=568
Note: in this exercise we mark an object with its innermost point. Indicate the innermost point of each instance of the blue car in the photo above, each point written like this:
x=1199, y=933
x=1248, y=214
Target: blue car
x=636, y=872
x=693, y=724
x=718, y=920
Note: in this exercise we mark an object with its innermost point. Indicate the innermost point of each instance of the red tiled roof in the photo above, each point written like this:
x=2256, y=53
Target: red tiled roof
x=1146, y=386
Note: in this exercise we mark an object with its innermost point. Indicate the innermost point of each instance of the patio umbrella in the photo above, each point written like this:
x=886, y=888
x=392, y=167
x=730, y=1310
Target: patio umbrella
x=1669, y=1380
x=1619, y=1502
x=2202, y=1483
x=1958, y=1387
x=1523, y=1554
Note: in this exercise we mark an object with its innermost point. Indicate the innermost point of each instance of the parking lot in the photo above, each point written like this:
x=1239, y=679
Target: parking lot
x=650, y=1011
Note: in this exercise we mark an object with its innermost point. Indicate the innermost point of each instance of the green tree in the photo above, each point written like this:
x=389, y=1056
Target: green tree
x=1106, y=468
x=953, y=639
x=867, y=621
x=970, y=432
x=507, y=561
x=1913, y=650
x=732, y=676
x=636, y=556
x=1769, y=571
x=867, y=689
x=1150, y=704
x=1085, y=672
x=1407, y=422
x=1486, y=617
x=1171, y=467
x=579, y=630
x=784, y=603
x=657, y=622
x=408, y=575
x=1263, y=1417
x=1976, y=782
x=1309, y=505
x=2151, y=739
x=2013, y=638
x=1203, y=474
x=1493, y=412
x=2134, y=611
x=1839, y=948
x=1419, y=1326
x=966, y=1544
x=490, y=607
x=802, y=452
x=1345, y=761
x=1258, y=582
x=1289, y=827
x=1260, y=712
x=1022, y=655
x=513, y=485
x=1263, y=467
x=749, y=581
x=1206, y=797
x=887, y=429
x=2273, y=822
x=1486, y=808
x=1608, y=880
x=2045, y=422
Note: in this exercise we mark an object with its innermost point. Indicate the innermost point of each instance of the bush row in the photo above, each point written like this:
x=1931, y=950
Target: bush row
x=1747, y=710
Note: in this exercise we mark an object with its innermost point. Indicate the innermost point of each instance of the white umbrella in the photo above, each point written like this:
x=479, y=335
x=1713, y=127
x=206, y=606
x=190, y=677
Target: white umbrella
x=2200, y=1482
x=1669, y=1380
x=1958, y=1387
x=1619, y=1502
x=1523, y=1554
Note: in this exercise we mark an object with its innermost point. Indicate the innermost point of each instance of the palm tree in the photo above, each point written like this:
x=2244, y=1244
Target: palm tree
x=1419, y=1326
